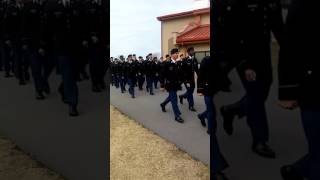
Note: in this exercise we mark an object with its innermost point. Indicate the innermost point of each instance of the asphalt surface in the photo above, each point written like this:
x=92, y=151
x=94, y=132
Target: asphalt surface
x=75, y=147
x=286, y=133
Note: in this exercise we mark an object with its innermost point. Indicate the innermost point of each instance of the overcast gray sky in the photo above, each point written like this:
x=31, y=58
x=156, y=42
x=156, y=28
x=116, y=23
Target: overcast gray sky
x=134, y=27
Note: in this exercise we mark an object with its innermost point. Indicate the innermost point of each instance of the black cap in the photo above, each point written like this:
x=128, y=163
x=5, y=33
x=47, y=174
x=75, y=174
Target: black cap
x=129, y=55
x=174, y=50
x=134, y=54
x=189, y=49
x=140, y=56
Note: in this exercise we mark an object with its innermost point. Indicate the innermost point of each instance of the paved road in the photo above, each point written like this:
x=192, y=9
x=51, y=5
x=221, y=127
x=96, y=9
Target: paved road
x=286, y=134
x=75, y=147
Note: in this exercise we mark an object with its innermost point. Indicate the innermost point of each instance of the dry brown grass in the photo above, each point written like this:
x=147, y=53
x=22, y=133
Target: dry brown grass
x=138, y=154
x=16, y=165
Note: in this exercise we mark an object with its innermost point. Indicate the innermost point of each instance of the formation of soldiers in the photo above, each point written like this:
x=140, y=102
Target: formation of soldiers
x=170, y=73
x=38, y=36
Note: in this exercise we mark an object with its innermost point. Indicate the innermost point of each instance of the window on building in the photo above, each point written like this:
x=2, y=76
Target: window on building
x=201, y=54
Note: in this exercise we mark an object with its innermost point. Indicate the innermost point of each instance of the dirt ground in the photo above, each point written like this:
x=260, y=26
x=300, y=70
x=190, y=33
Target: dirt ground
x=16, y=165
x=139, y=154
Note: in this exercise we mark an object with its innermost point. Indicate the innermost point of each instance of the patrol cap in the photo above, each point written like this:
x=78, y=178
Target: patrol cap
x=174, y=50
x=190, y=49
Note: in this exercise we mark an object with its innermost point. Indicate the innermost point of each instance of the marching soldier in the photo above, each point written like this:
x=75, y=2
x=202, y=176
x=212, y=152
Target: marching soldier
x=157, y=72
x=207, y=86
x=122, y=74
x=112, y=71
x=116, y=73
x=258, y=19
x=299, y=74
x=96, y=24
x=11, y=34
x=132, y=75
x=172, y=83
x=3, y=6
x=61, y=39
x=150, y=70
x=141, y=73
x=189, y=68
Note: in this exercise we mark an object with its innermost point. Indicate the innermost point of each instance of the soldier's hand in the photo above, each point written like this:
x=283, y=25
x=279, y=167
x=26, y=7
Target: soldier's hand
x=8, y=42
x=292, y=104
x=200, y=94
x=250, y=75
x=85, y=43
x=161, y=89
x=24, y=47
x=188, y=85
x=42, y=52
x=94, y=39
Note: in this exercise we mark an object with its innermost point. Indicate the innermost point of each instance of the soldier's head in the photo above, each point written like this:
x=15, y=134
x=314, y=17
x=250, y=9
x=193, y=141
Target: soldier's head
x=174, y=53
x=129, y=57
x=161, y=59
x=190, y=51
x=167, y=57
x=134, y=57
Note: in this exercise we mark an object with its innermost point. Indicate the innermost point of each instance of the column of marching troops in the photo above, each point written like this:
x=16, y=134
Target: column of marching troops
x=40, y=35
x=242, y=41
x=171, y=72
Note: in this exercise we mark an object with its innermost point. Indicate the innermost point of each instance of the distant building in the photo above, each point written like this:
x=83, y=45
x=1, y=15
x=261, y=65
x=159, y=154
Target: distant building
x=186, y=29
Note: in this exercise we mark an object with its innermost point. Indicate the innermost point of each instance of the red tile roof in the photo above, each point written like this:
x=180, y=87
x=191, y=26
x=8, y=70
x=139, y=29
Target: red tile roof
x=184, y=14
x=199, y=33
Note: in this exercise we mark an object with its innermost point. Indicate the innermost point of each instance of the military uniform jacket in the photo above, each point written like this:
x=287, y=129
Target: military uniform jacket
x=299, y=70
x=261, y=18
x=150, y=68
x=31, y=22
x=13, y=22
x=189, y=67
x=58, y=27
x=210, y=81
x=241, y=32
x=132, y=70
x=123, y=70
x=96, y=25
x=140, y=68
x=172, y=76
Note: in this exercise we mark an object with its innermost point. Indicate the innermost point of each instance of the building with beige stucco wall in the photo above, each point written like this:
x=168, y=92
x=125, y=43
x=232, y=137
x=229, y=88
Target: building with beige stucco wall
x=186, y=29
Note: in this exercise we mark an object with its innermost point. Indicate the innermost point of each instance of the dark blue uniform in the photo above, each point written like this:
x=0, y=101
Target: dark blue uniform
x=132, y=77
x=59, y=27
x=189, y=68
x=258, y=19
x=97, y=35
x=141, y=74
x=123, y=76
x=207, y=85
x=299, y=74
x=172, y=83
x=11, y=36
x=150, y=71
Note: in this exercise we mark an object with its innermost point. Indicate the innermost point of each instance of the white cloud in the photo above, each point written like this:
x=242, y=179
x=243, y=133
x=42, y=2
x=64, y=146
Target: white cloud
x=134, y=27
